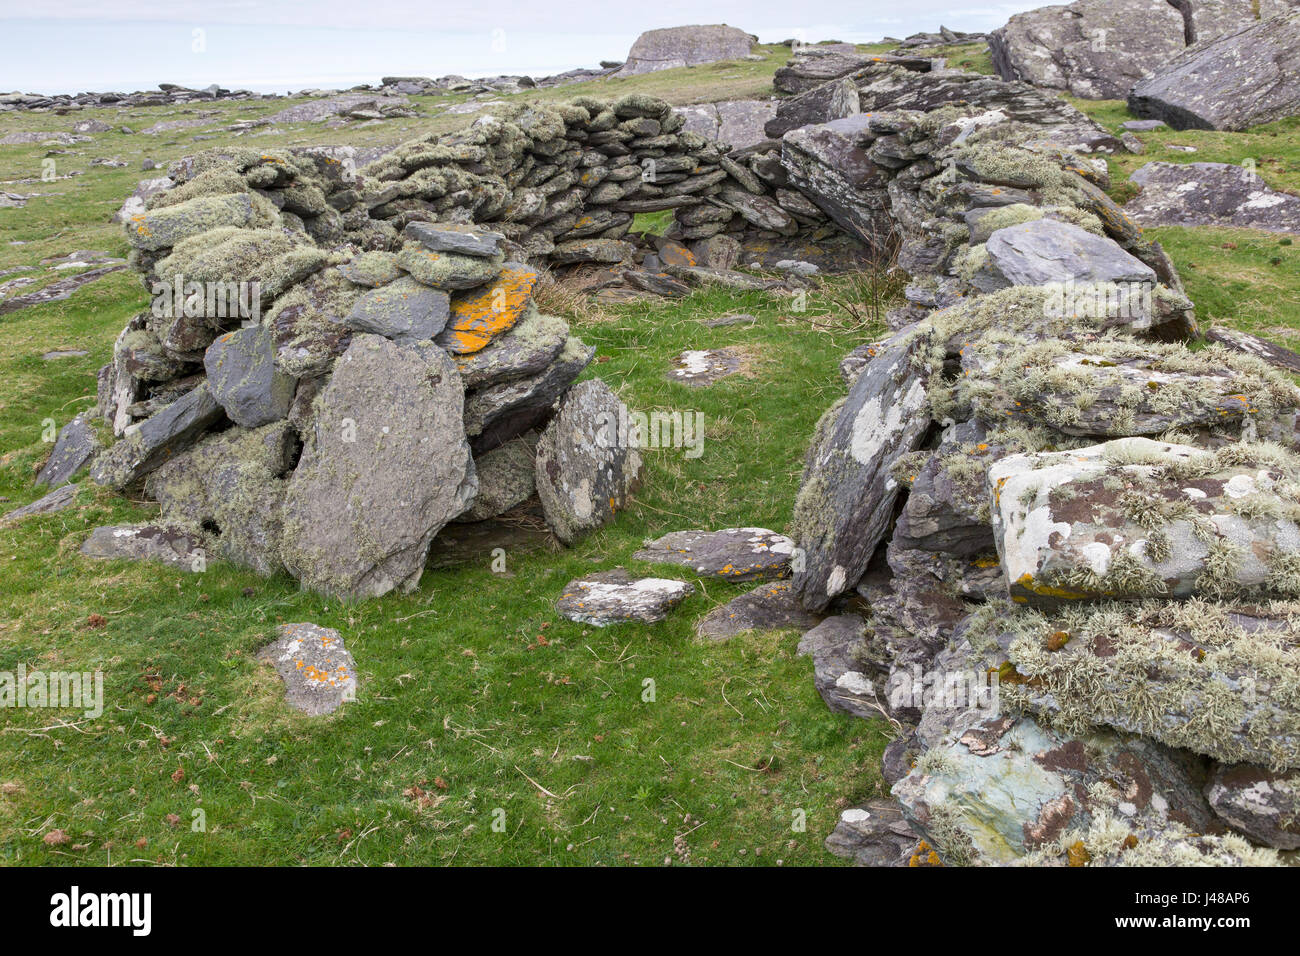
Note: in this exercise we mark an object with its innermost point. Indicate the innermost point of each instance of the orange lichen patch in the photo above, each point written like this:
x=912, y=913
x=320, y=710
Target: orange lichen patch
x=1027, y=583
x=481, y=314
x=924, y=855
x=1058, y=640
x=675, y=254
x=1078, y=854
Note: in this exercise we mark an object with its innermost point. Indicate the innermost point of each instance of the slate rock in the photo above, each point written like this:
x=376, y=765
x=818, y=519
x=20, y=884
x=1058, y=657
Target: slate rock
x=1260, y=803
x=586, y=468
x=1047, y=250
x=733, y=554
x=318, y=671
x=147, y=444
x=874, y=834
x=833, y=100
x=1113, y=521
x=768, y=607
x=452, y=237
x=847, y=495
x=502, y=410
x=64, y=496
x=242, y=376
x=449, y=270
x=506, y=478
x=164, y=227
x=76, y=445
x=481, y=315
x=525, y=349
x=405, y=311
x=173, y=547
x=385, y=466
x=614, y=597
x=838, y=646
x=1242, y=79
x=1210, y=194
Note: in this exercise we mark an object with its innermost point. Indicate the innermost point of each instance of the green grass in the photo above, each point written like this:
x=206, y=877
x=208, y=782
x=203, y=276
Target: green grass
x=459, y=697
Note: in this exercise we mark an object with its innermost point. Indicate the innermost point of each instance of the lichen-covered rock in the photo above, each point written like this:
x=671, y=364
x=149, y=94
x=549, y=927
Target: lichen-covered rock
x=502, y=410
x=483, y=314
x=875, y=834
x=1136, y=518
x=833, y=100
x=147, y=444
x=769, y=607
x=586, y=468
x=592, y=250
x=847, y=496
x=614, y=597
x=1210, y=194
x=448, y=270
x=506, y=478
x=405, y=311
x=309, y=323
x=735, y=554
x=318, y=671
x=525, y=349
x=1216, y=678
x=242, y=376
x=232, y=486
x=385, y=466
x=76, y=445
x=1006, y=787
x=371, y=269
x=1263, y=805
x=177, y=549
x=1242, y=79
x=451, y=237
x=160, y=228
x=841, y=668
x=947, y=506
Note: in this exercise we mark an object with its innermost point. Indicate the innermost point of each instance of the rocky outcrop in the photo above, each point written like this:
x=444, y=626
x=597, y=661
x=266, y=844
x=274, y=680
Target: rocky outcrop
x=673, y=47
x=1098, y=49
x=1245, y=78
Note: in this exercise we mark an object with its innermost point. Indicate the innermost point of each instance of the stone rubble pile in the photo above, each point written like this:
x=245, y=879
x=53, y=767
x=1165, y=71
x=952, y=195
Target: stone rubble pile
x=1058, y=549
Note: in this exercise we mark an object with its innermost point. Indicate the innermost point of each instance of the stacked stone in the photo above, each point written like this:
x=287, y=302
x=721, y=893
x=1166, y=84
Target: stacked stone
x=365, y=400
x=1035, y=477
x=564, y=183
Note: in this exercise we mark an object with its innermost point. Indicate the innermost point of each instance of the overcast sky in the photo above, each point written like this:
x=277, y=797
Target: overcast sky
x=277, y=45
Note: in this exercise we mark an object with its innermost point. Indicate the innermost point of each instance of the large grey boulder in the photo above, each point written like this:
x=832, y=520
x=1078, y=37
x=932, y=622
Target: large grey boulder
x=1097, y=49
x=385, y=466
x=586, y=466
x=1136, y=518
x=673, y=47
x=846, y=500
x=1210, y=194
x=830, y=101
x=318, y=671
x=1243, y=79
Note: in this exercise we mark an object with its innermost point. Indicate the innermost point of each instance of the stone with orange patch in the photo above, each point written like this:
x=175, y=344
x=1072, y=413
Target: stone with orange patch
x=479, y=316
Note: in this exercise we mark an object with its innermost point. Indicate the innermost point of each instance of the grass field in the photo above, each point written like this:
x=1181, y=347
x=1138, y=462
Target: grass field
x=487, y=729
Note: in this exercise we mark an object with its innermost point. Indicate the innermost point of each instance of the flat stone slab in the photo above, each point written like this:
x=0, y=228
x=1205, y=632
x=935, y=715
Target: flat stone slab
x=76, y=445
x=1135, y=518
x=769, y=607
x=734, y=554
x=56, y=500
x=451, y=237
x=319, y=673
x=242, y=376
x=170, y=546
x=614, y=597
x=405, y=311
x=875, y=834
x=482, y=315
x=700, y=367
x=1210, y=194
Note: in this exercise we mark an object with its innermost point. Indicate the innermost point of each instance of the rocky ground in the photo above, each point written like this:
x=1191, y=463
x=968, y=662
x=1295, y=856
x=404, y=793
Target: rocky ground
x=397, y=453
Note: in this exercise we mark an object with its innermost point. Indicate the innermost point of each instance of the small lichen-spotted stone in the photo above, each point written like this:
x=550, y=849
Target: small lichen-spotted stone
x=479, y=316
x=319, y=673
